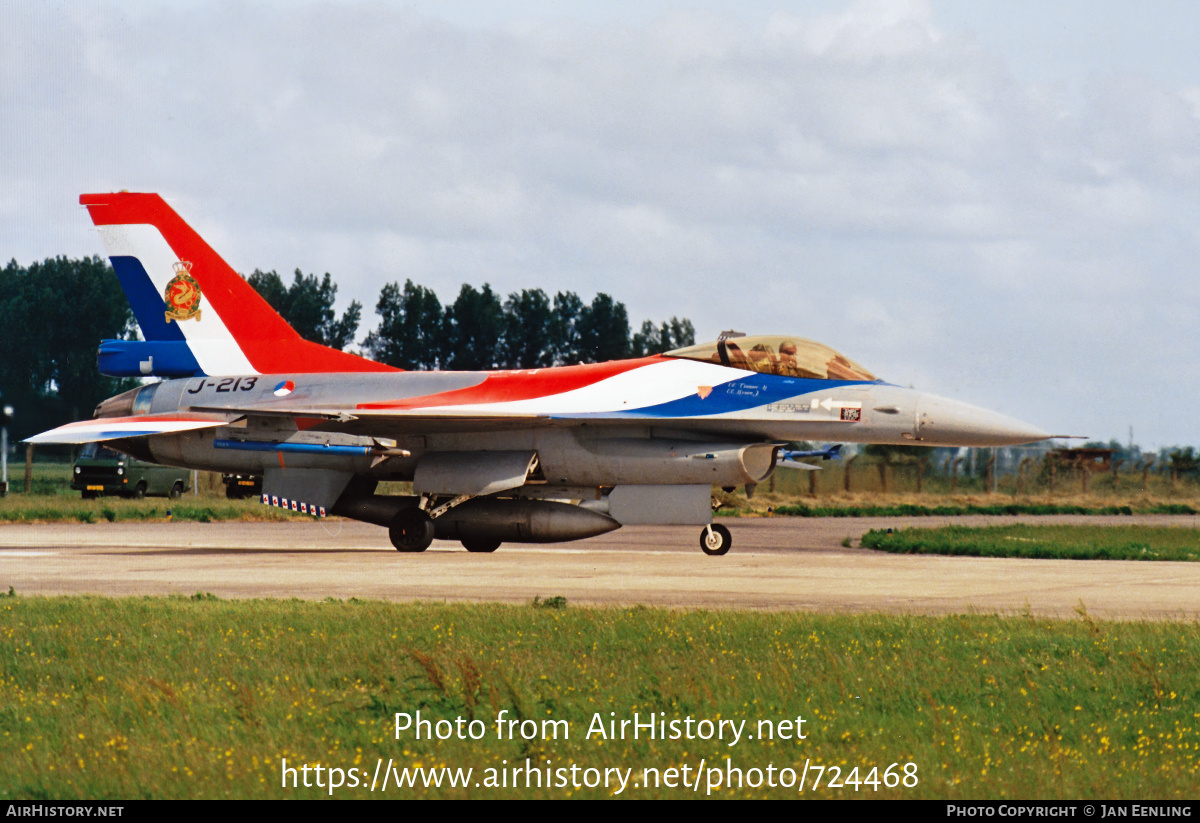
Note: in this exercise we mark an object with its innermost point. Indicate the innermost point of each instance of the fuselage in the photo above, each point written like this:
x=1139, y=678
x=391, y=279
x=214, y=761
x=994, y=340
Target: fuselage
x=594, y=424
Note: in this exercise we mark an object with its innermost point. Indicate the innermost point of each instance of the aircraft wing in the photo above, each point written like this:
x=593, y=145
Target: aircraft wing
x=115, y=428
x=371, y=422
x=344, y=415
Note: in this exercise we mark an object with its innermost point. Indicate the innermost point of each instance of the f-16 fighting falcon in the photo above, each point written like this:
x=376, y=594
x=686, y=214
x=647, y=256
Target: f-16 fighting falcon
x=522, y=456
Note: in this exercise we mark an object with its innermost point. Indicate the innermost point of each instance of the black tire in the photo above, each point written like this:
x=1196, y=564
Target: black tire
x=177, y=490
x=90, y=495
x=140, y=491
x=482, y=545
x=716, y=542
x=411, y=531
x=233, y=493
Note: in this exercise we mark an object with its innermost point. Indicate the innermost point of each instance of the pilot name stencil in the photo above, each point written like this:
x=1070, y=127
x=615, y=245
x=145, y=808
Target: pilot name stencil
x=789, y=408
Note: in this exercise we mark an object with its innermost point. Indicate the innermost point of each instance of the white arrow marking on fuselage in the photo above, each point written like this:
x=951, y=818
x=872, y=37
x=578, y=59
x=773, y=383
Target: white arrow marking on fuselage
x=830, y=404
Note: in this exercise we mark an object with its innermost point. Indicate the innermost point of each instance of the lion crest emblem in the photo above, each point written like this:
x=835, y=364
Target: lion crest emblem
x=182, y=295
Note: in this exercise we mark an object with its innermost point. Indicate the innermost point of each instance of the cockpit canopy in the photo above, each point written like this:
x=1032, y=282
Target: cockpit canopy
x=776, y=354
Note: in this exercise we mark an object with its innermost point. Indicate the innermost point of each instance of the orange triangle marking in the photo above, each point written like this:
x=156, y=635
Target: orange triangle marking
x=703, y=391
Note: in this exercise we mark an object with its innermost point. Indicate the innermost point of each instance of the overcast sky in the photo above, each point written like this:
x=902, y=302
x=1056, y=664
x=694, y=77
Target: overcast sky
x=995, y=201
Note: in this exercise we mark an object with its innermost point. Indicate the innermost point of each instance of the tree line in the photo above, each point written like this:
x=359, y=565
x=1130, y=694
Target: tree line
x=54, y=314
x=526, y=330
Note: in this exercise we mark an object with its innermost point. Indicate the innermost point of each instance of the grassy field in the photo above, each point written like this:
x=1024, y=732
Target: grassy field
x=61, y=508
x=932, y=509
x=866, y=478
x=52, y=500
x=1045, y=542
x=214, y=507
x=203, y=698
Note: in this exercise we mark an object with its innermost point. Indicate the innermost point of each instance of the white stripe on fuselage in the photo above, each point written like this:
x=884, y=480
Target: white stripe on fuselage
x=211, y=342
x=638, y=388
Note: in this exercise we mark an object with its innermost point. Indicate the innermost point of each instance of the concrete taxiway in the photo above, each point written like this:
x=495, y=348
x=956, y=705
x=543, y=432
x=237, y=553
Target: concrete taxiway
x=776, y=563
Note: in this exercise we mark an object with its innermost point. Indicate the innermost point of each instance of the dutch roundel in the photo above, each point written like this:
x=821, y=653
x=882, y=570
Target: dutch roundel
x=285, y=388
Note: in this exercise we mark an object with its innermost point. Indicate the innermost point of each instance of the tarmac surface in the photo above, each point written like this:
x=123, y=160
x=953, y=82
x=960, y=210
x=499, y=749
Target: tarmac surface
x=775, y=564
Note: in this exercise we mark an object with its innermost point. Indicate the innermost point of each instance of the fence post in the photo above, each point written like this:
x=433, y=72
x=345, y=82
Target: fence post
x=28, y=468
x=1024, y=464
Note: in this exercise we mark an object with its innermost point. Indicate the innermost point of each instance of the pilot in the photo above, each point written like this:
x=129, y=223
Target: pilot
x=762, y=359
x=786, y=365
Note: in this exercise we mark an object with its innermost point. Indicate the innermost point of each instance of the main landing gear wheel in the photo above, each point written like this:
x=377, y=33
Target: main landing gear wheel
x=480, y=544
x=715, y=539
x=411, y=531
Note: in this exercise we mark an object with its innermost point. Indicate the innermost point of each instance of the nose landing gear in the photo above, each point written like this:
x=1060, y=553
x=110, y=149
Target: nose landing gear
x=715, y=539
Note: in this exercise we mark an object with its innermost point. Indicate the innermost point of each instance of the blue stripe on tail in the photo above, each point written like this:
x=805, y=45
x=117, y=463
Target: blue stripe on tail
x=147, y=304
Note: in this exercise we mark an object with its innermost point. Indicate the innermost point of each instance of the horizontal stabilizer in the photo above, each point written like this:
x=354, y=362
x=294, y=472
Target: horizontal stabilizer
x=115, y=428
x=142, y=358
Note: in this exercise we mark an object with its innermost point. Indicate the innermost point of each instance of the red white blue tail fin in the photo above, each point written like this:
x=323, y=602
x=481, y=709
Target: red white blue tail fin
x=196, y=314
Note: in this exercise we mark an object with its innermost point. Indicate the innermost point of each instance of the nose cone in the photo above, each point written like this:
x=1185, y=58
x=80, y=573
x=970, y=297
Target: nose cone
x=942, y=422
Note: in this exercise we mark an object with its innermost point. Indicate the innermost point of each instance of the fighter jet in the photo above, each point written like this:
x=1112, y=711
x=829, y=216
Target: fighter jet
x=521, y=456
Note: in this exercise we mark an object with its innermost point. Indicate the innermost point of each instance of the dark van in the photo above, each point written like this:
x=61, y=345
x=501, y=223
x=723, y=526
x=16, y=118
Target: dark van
x=100, y=471
x=241, y=486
